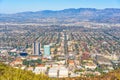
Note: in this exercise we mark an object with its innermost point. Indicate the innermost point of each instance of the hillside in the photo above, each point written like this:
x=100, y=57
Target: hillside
x=108, y=15
x=9, y=73
x=115, y=75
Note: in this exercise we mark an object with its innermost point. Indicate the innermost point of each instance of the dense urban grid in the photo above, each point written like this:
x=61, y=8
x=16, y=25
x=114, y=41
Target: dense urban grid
x=82, y=49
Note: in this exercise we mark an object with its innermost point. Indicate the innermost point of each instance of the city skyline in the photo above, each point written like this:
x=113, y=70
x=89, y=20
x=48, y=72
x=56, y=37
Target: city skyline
x=15, y=6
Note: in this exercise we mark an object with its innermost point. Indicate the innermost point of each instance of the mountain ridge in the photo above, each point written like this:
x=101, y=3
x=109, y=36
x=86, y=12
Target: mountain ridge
x=107, y=15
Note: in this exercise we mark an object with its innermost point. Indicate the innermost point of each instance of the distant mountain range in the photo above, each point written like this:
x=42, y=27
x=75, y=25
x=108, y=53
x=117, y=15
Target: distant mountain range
x=108, y=15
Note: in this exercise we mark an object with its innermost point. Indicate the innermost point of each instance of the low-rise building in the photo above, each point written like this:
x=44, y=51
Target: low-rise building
x=30, y=68
x=34, y=57
x=17, y=61
x=40, y=69
x=53, y=72
x=91, y=66
x=103, y=61
x=63, y=72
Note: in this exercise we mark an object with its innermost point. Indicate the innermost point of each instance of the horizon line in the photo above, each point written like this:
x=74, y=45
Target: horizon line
x=57, y=10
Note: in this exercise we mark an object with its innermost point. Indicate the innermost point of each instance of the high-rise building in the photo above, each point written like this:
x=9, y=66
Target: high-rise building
x=36, y=48
x=46, y=50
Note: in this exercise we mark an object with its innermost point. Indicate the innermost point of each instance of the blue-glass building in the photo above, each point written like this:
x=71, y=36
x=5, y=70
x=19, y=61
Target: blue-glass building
x=46, y=50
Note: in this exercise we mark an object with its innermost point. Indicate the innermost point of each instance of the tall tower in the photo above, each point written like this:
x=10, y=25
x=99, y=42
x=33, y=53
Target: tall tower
x=36, y=48
x=46, y=50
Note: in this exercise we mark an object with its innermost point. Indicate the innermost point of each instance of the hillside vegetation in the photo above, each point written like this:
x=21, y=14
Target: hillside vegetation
x=114, y=75
x=9, y=73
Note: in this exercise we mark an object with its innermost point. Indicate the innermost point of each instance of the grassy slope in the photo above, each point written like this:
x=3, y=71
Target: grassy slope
x=114, y=75
x=9, y=73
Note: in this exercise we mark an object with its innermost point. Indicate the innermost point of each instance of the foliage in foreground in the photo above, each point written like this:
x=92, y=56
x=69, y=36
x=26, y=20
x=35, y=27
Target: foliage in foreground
x=114, y=75
x=9, y=73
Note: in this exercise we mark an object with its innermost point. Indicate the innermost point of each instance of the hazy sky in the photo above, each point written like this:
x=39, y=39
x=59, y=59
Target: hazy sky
x=13, y=6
